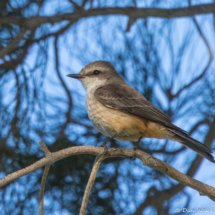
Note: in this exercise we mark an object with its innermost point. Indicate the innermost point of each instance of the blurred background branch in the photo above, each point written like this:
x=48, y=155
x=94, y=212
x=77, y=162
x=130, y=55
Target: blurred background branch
x=157, y=47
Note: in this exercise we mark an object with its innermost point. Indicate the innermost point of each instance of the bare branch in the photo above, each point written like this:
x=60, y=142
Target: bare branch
x=42, y=188
x=206, y=68
x=76, y=6
x=147, y=160
x=128, y=11
x=131, y=21
x=90, y=183
x=9, y=48
x=45, y=174
x=56, y=34
x=64, y=86
x=45, y=149
x=83, y=3
x=155, y=199
x=134, y=2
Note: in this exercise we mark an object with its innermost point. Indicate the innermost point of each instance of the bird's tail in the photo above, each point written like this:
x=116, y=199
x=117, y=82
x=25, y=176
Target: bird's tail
x=182, y=137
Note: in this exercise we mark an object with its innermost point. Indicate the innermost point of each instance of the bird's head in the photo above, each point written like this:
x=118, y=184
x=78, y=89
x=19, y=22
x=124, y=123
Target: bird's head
x=96, y=74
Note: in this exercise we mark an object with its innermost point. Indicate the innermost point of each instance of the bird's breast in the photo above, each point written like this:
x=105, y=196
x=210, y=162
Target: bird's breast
x=101, y=118
x=109, y=121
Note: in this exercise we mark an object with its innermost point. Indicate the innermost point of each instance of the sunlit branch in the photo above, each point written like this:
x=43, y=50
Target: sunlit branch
x=147, y=160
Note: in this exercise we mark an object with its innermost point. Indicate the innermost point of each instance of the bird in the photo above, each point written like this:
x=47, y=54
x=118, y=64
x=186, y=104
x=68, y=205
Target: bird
x=120, y=112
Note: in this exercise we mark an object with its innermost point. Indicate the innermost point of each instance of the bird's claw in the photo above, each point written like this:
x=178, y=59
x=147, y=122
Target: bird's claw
x=105, y=147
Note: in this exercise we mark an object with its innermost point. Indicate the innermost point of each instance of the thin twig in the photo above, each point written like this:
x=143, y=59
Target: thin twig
x=75, y=5
x=83, y=3
x=64, y=86
x=9, y=48
x=131, y=21
x=45, y=149
x=55, y=34
x=207, y=66
x=135, y=3
x=90, y=183
x=42, y=188
x=91, y=4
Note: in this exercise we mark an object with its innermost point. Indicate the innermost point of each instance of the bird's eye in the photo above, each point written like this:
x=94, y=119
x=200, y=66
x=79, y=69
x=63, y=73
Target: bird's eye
x=96, y=72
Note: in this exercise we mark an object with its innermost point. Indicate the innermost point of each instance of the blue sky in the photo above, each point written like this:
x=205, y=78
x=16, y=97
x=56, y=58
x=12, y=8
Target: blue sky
x=82, y=38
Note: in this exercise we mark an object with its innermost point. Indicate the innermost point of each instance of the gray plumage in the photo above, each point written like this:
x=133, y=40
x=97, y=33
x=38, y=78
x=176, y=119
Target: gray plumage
x=114, y=106
x=126, y=99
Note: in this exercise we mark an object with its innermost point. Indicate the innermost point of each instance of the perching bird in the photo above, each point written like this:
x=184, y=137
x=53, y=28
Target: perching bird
x=119, y=111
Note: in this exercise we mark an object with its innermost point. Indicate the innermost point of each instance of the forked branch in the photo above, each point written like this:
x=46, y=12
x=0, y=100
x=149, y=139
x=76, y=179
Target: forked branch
x=147, y=160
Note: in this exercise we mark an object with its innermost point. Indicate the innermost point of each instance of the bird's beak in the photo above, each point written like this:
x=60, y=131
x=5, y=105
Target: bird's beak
x=77, y=76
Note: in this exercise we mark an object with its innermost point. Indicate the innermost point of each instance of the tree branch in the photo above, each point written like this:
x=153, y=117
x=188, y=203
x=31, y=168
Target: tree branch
x=64, y=86
x=42, y=188
x=45, y=174
x=207, y=66
x=9, y=48
x=160, y=196
x=147, y=160
x=45, y=149
x=128, y=11
x=90, y=183
x=75, y=5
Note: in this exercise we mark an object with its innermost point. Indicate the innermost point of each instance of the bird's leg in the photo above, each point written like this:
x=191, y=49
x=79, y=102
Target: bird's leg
x=111, y=138
x=137, y=143
x=107, y=141
x=135, y=146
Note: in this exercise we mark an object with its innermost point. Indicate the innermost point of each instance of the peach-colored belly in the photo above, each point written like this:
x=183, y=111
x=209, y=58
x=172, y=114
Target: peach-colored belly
x=109, y=121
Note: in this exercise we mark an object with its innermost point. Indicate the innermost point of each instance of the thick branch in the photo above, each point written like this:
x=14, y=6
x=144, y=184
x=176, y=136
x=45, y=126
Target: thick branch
x=147, y=160
x=128, y=11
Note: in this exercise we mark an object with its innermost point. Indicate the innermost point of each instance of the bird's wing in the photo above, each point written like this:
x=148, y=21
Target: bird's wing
x=126, y=99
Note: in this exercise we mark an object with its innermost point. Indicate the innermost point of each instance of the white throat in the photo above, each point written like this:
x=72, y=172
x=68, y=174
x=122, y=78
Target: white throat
x=91, y=84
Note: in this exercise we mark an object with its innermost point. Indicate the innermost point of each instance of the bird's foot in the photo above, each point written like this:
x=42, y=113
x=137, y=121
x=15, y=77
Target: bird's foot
x=136, y=147
x=104, y=146
x=133, y=158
